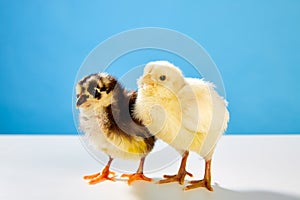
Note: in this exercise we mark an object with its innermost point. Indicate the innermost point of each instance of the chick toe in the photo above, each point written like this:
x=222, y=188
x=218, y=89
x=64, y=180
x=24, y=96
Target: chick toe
x=136, y=177
x=199, y=184
x=175, y=178
x=92, y=176
x=97, y=178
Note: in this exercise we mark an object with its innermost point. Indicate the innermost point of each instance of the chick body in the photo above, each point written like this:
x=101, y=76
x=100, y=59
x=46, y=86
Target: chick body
x=186, y=113
x=103, y=133
x=105, y=117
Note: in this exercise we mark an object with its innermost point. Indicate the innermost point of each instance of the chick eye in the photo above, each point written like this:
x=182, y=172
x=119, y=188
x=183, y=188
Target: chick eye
x=162, y=77
x=97, y=93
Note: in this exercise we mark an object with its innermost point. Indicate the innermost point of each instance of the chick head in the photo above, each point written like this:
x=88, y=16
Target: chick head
x=161, y=78
x=95, y=89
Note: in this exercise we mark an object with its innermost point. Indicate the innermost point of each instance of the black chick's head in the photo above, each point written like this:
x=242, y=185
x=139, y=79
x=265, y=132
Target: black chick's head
x=95, y=89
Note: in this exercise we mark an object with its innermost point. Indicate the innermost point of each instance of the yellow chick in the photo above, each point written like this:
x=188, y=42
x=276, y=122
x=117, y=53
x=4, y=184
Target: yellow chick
x=186, y=113
x=105, y=117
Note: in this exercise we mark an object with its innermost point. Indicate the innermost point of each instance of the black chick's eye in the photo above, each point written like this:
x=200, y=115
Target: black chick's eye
x=97, y=93
x=162, y=77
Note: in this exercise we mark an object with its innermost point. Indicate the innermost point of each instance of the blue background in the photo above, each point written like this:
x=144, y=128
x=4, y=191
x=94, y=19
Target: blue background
x=255, y=44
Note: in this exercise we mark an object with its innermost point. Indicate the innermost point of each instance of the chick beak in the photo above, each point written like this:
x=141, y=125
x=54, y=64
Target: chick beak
x=81, y=99
x=147, y=80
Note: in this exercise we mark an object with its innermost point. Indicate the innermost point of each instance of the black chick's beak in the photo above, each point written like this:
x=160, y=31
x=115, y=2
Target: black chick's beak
x=81, y=99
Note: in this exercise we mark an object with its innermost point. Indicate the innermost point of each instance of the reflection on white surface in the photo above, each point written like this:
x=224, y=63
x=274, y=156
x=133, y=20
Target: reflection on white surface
x=150, y=191
x=51, y=167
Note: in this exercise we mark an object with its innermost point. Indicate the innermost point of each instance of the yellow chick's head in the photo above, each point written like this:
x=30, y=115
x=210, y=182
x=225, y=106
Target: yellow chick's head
x=95, y=89
x=161, y=78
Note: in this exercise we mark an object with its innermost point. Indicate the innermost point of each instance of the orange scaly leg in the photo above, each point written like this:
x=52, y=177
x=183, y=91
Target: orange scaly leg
x=105, y=175
x=206, y=182
x=179, y=177
x=139, y=175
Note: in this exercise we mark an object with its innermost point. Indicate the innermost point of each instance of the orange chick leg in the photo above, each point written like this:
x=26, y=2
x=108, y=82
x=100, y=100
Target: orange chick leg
x=179, y=177
x=139, y=175
x=99, y=177
x=206, y=182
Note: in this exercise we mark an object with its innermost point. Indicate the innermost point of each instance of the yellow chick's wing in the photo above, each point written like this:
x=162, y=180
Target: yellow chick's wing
x=204, y=114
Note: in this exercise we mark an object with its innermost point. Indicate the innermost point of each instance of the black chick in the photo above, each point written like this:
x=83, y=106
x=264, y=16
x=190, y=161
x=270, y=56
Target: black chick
x=106, y=118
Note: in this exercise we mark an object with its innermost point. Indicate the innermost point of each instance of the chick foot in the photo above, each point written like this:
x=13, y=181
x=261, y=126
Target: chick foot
x=175, y=178
x=97, y=178
x=206, y=182
x=135, y=177
x=198, y=184
x=139, y=175
x=181, y=172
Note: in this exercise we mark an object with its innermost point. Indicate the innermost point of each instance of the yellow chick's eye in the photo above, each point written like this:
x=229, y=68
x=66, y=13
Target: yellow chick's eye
x=162, y=77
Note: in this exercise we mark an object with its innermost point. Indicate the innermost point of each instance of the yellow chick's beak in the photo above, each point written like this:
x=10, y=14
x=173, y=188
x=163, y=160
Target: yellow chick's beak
x=146, y=80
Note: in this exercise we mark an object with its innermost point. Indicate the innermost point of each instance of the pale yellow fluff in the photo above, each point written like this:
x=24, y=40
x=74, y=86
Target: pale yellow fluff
x=186, y=113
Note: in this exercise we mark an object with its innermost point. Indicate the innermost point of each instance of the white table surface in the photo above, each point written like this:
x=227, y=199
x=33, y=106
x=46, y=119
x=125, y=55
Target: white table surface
x=244, y=167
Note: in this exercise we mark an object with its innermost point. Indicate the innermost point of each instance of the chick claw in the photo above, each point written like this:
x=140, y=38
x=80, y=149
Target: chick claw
x=96, y=178
x=175, y=178
x=199, y=183
x=135, y=177
x=89, y=177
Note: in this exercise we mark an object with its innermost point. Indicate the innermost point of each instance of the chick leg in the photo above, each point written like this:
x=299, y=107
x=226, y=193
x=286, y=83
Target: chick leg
x=206, y=182
x=179, y=177
x=105, y=175
x=139, y=175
